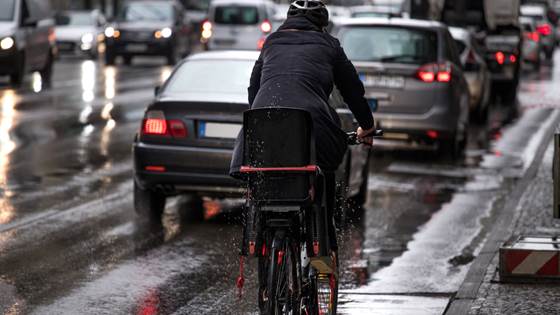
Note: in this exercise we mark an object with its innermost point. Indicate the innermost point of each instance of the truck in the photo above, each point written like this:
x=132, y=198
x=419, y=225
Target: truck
x=496, y=25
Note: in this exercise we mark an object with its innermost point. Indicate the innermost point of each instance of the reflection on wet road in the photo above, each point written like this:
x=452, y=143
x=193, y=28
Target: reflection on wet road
x=70, y=244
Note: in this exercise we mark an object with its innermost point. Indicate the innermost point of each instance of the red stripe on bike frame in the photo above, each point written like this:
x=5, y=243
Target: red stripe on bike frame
x=249, y=169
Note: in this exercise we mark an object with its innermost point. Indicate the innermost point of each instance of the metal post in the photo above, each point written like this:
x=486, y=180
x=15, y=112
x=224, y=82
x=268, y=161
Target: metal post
x=556, y=175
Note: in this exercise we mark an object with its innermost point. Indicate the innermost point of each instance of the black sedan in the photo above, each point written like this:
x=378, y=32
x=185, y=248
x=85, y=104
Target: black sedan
x=186, y=140
x=148, y=28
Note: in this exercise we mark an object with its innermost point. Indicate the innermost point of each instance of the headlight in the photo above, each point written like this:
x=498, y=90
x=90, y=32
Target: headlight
x=111, y=32
x=166, y=32
x=87, y=38
x=7, y=43
x=163, y=33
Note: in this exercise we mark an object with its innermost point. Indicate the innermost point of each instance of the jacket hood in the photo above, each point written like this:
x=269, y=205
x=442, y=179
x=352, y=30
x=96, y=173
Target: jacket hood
x=301, y=23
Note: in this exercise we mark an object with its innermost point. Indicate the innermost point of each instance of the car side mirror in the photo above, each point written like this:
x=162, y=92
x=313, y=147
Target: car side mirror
x=157, y=89
x=30, y=23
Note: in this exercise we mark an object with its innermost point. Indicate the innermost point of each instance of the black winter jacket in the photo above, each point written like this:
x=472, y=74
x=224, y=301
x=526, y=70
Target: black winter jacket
x=297, y=68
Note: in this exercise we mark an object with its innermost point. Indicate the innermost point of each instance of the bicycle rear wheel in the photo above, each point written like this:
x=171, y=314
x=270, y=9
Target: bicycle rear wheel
x=283, y=290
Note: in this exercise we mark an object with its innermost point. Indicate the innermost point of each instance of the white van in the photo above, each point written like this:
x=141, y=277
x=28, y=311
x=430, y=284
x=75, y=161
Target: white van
x=238, y=24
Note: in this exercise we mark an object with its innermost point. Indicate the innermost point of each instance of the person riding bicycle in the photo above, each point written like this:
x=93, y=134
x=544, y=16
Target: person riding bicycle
x=297, y=67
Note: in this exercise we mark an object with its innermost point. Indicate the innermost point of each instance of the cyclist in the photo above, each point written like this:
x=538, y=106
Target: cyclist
x=298, y=66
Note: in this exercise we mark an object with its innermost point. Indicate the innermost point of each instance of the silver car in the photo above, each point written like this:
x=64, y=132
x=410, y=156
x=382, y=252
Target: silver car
x=413, y=77
x=238, y=24
x=531, y=50
x=476, y=72
x=546, y=29
x=80, y=32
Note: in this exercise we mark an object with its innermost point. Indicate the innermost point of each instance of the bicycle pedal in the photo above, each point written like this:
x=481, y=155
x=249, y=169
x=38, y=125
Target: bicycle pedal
x=323, y=265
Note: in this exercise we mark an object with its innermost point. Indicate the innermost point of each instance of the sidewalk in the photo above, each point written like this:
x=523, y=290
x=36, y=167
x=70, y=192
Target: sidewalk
x=533, y=216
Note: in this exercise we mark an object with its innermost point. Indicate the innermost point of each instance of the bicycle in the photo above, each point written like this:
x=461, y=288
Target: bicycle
x=285, y=214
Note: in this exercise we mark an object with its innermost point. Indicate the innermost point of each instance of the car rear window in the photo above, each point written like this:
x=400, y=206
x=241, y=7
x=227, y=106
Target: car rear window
x=239, y=15
x=389, y=44
x=207, y=76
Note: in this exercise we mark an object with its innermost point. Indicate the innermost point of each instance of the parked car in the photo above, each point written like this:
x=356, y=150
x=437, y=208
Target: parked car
x=412, y=70
x=238, y=24
x=188, y=132
x=546, y=29
x=27, y=41
x=80, y=32
x=148, y=28
x=476, y=72
x=375, y=11
x=532, y=50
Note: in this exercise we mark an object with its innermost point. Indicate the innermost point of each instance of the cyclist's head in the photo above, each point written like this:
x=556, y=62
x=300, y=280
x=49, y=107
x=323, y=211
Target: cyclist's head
x=314, y=10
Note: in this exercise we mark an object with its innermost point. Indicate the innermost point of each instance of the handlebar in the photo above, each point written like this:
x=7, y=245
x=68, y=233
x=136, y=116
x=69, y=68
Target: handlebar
x=354, y=140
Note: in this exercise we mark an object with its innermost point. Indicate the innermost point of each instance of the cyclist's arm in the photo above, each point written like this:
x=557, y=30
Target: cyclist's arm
x=352, y=89
x=255, y=83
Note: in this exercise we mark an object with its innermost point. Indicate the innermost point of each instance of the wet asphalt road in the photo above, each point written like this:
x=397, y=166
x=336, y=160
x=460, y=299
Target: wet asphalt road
x=70, y=242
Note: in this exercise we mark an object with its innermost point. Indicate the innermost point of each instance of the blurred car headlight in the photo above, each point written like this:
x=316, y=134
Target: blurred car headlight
x=165, y=32
x=87, y=38
x=7, y=43
x=111, y=32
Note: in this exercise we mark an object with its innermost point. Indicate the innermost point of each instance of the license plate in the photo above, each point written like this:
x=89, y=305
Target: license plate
x=383, y=81
x=136, y=47
x=224, y=41
x=218, y=130
x=65, y=46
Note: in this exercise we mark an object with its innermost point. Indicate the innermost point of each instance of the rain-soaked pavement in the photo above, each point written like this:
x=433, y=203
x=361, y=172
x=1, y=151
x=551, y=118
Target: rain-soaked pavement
x=70, y=244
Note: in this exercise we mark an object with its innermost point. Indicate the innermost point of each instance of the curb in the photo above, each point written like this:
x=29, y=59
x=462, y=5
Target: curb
x=468, y=291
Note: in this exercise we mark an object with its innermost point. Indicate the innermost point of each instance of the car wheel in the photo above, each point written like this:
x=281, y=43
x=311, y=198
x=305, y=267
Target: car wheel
x=109, y=58
x=16, y=78
x=148, y=204
x=549, y=54
x=46, y=72
x=172, y=57
x=127, y=60
x=454, y=148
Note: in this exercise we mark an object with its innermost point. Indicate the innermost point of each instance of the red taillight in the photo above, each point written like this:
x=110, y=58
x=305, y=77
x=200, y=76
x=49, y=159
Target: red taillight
x=155, y=126
x=260, y=43
x=533, y=36
x=266, y=27
x=432, y=134
x=178, y=129
x=544, y=29
x=500, y=57
x=435, y=72
x=512, y=58
x=151, y=168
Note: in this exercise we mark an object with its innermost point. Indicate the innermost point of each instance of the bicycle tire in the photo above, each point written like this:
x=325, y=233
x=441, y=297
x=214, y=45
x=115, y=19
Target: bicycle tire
x=283, y=286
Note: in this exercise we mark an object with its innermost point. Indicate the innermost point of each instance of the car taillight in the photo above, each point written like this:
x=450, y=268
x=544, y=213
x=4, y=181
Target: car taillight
x=260, y=43
x=512, y=58
x=544, y=29
x=435, y=72
x=178, y=129
x=206, y=29
x=533, y=36
x=266, y=27
x=155, y=126
x=500, y=57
